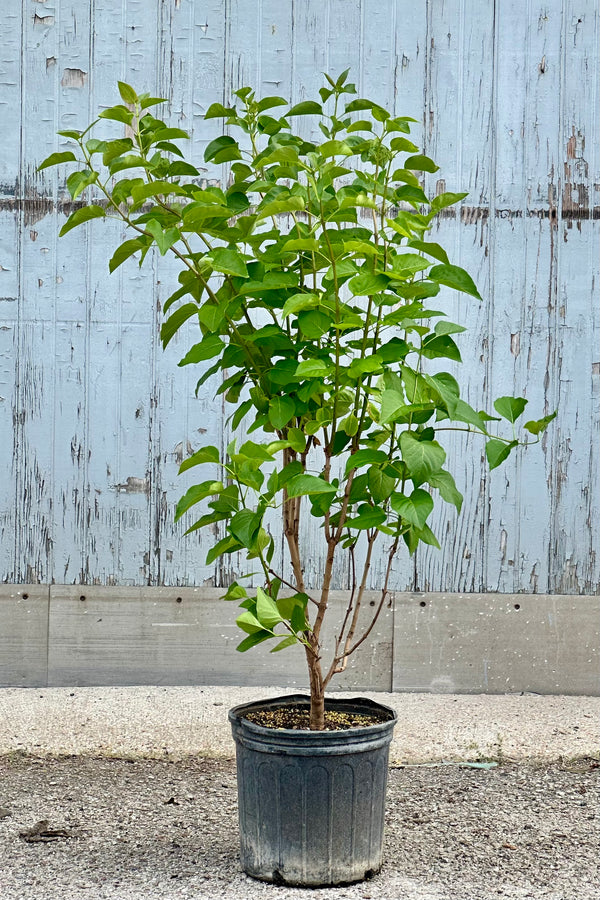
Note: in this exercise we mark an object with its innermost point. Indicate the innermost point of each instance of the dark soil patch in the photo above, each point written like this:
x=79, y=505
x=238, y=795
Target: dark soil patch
x=297, y=718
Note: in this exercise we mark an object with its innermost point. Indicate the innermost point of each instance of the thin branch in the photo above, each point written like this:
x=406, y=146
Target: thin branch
x=290, y=585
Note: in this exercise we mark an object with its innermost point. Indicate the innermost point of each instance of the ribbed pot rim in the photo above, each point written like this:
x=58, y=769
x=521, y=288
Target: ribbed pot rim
x=299, y=740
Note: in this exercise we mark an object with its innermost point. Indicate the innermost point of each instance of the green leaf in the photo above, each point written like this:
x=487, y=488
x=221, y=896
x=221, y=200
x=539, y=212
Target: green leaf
x=143, y=192
x=365, y=458
x=444, y=482
x=314, y=323
x=426, y=535
x=275, y=207
x=306, y=108
x=313, y=368
x=146, y=102
x=360, y=104
x=248, y=622
x=462, y=412
x=444, y=200
x=403, y=145
x=227, y=544
x=414, y=509
x=365, y=365
x=368, y=283
x=204, y=455
x=440, y=347
x=244, y=527
x=538, y=426
x=335, y=148
x=454, y=277
x=297, y=302
x=497, y=451
x=257, y=451
x=408, y=193
x=218, y=111
x=381, y=485
x=182, y=168
x=266, y=610
x=407, y=264
x=55, y=159
x=431, y=249
x=281, y=410
x=165, y=238
x=422, y=458
x=128, y=95
x=78, y=181
x=310, y=244
x=392, y=402
x=510, y=407
x=368, y=517
x=222, y=149
x=297, y=439
x=195, y=494
x=203, y=521
x=301, y=485
x=230, y=262
x=127, y=249
x=235, y=591
x=288, y=641
x=117, y=114
x=174, y=322
x=252, y=640
x=82, y=215
x=420, y=163
x=350, y=425
x=445, y=327
x=395, y=350
x=269, y=103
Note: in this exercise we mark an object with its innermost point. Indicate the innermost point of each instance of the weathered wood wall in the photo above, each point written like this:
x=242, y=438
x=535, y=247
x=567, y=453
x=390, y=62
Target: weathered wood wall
x=94, y=418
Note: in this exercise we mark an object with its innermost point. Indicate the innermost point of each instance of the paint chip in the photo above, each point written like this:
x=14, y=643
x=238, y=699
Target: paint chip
x=73, y=78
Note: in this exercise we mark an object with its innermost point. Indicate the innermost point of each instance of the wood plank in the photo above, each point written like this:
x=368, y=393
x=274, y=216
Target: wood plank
x=458, y=135
x=496, y=643
x=23, y=635
x=574, y=558
x=8, y=392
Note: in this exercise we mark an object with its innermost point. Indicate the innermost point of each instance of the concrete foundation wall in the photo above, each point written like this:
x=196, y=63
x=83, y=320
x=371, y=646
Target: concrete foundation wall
x=62, y=635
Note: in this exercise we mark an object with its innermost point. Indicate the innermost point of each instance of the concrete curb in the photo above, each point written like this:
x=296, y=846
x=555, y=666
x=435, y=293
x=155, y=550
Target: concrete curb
x=176, y=722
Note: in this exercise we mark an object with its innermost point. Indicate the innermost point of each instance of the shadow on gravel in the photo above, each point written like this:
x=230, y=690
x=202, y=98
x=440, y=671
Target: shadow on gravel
x=128, y=830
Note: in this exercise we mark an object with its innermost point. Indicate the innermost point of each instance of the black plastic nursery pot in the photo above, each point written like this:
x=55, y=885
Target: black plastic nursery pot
x=312, y=803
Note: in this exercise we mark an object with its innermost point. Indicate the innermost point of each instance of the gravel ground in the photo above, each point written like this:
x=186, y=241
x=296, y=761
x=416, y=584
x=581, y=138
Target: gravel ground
x=143, y=829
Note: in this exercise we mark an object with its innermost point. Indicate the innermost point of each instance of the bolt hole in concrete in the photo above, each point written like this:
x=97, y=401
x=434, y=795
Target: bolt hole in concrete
x=517, y=606
x=179, y=600
x=25, y=596
x=82, y=598
x=422, y=603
